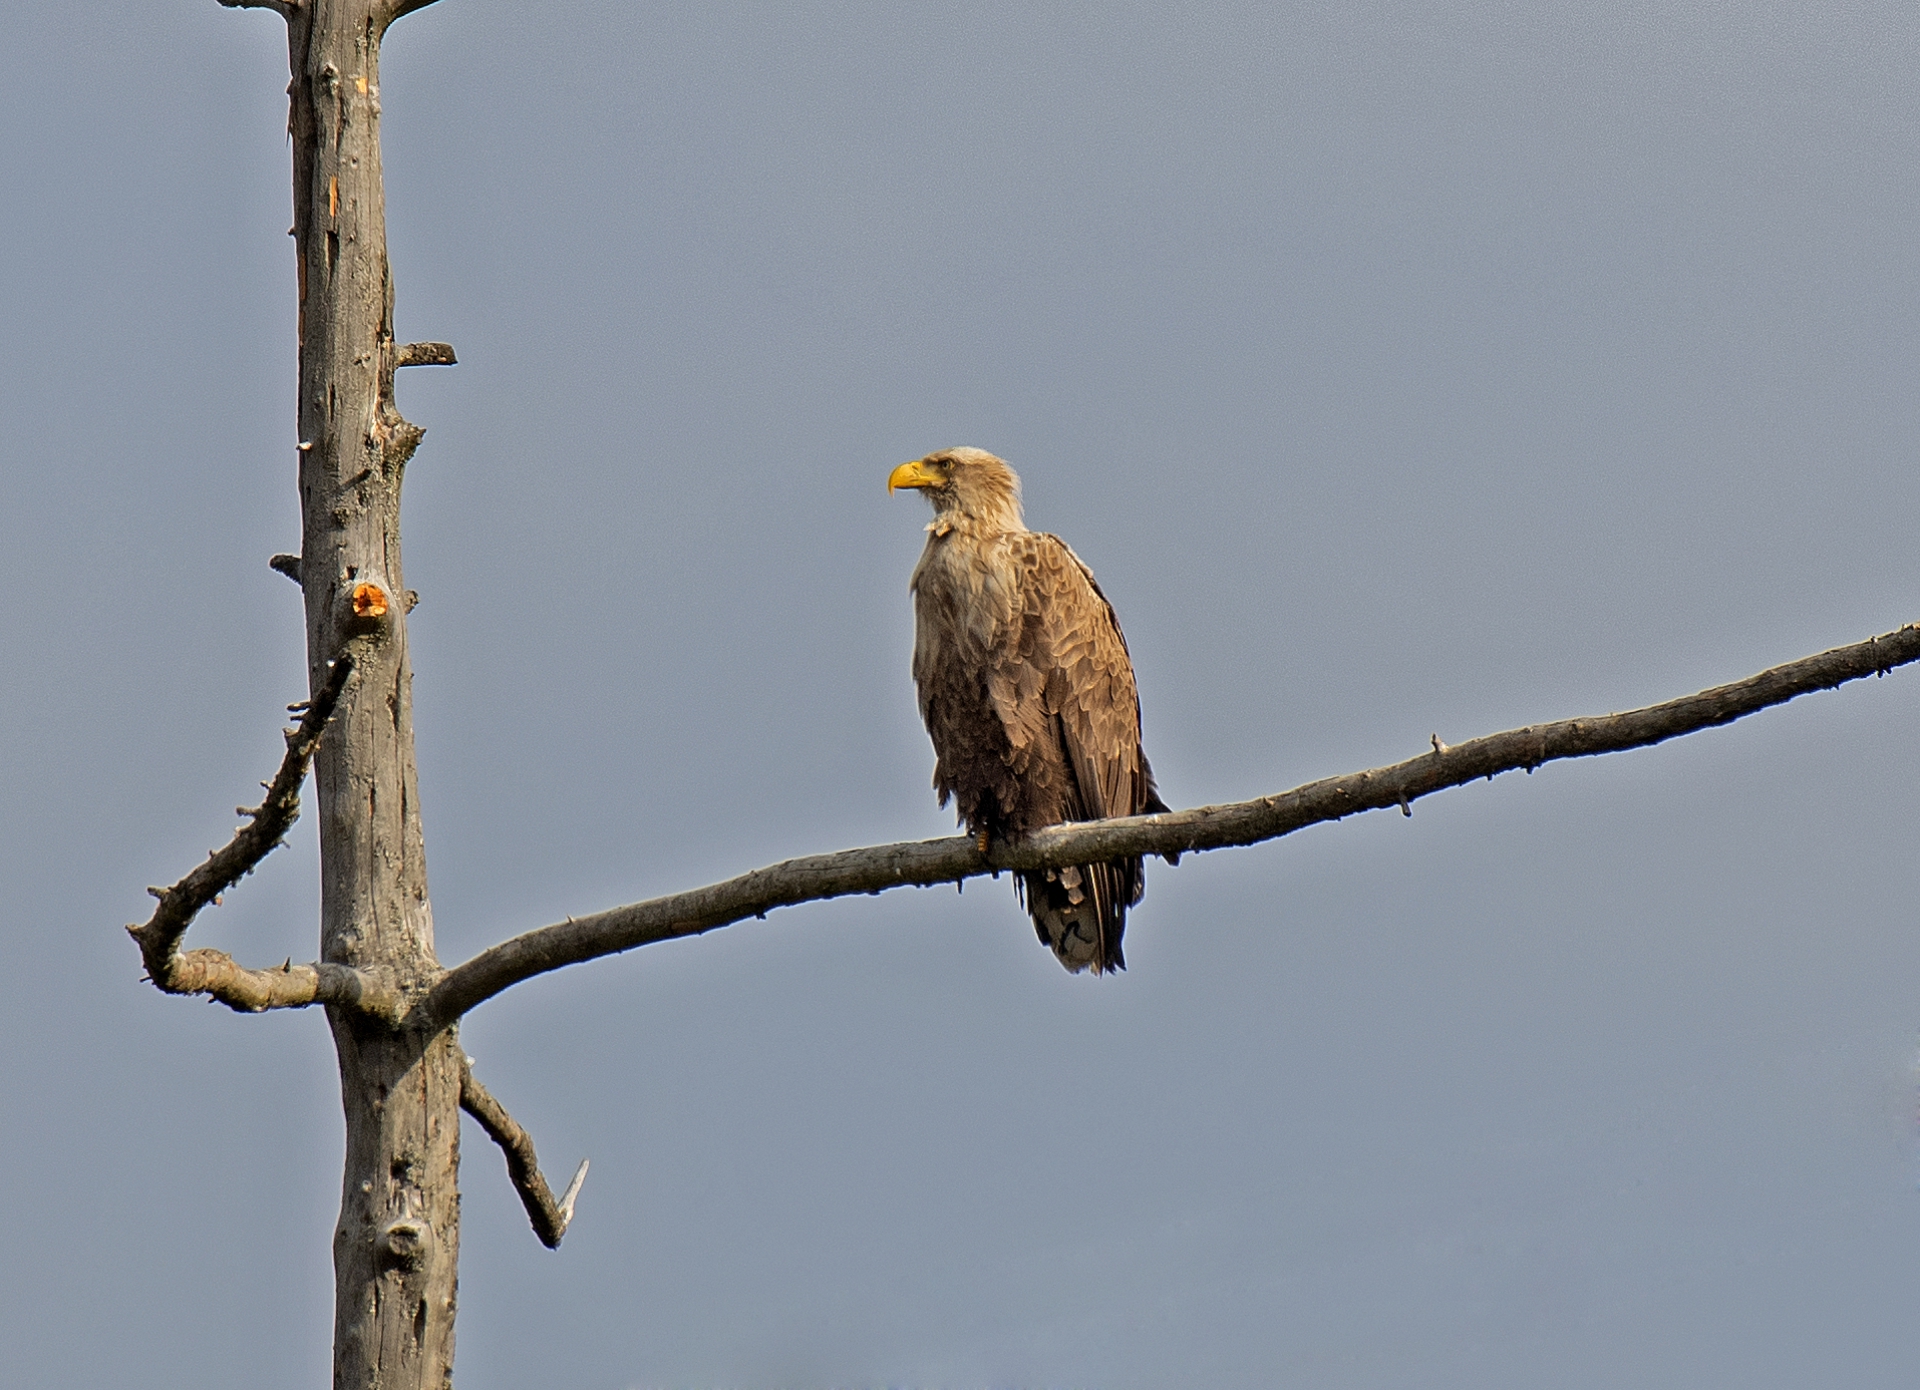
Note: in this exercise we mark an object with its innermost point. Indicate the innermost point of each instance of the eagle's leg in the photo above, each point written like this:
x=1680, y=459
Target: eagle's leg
x=980, y=840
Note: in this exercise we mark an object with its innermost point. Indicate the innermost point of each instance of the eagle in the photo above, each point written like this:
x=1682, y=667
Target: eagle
x=1027, y=692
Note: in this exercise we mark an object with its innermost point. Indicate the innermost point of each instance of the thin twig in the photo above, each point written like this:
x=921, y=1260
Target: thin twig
x=924, y=863
x=550, y=1218
x=215, y=972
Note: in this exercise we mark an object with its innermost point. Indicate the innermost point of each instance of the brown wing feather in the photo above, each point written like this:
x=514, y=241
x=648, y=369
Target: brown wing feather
x=1028, y=695
x=1066, y=696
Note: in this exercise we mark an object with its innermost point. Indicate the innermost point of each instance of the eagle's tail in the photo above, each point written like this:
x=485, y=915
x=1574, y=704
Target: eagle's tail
x=1080, y=912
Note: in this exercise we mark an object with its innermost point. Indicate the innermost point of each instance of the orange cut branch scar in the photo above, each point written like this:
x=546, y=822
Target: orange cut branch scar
x=369, y=601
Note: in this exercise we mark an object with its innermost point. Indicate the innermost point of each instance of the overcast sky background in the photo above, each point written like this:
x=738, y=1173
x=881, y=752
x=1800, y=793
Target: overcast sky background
x=1399, y=369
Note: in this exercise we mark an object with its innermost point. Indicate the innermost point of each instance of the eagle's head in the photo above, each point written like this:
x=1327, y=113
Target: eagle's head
x=965, y=486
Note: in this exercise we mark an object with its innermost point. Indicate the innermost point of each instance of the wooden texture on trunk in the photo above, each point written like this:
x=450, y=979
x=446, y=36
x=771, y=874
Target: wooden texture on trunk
x=397, y=1242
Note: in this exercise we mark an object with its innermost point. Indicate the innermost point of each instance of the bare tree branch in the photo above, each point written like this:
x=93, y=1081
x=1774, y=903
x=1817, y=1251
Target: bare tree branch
x=283, y=8
x=923, y=863
x=425, y=355
x=399, y=7
x=550, y=1218
x=216, y=973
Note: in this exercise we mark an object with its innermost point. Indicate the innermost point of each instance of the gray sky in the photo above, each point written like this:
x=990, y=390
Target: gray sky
x=1399, y=370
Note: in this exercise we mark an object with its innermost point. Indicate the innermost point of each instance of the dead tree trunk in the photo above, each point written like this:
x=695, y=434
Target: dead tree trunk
x=396, y=1247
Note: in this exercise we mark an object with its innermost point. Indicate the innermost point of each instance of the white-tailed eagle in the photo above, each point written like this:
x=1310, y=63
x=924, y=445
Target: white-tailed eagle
x=1028, y=695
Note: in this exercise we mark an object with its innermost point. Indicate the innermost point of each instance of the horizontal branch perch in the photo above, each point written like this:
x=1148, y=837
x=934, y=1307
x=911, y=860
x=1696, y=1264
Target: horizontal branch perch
x=926, y=862
x=550, y=1218
x=215, y=972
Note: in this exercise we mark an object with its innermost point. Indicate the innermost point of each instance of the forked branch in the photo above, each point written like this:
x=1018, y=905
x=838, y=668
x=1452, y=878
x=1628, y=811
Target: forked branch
x=927, y=862
x=550, y=1218
x=215, y=972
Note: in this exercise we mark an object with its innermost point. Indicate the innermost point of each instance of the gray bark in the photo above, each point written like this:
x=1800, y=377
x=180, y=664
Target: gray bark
x=397, y=1242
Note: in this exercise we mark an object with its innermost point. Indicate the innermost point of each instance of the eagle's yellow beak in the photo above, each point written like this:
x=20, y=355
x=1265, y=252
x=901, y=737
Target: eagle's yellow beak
x=915, y=474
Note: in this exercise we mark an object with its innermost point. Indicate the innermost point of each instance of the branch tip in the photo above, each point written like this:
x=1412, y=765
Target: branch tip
x=425, y=355
x=549, y=1218
x=573, y=1191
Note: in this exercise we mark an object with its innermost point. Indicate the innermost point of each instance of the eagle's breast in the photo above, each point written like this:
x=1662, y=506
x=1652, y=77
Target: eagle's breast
x=967, y=602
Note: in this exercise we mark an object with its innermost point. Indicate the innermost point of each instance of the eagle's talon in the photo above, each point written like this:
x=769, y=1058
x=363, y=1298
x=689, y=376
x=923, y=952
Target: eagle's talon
x=980, y=840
